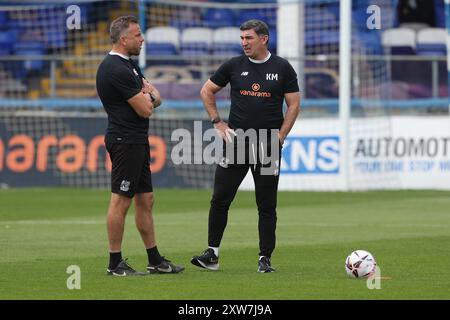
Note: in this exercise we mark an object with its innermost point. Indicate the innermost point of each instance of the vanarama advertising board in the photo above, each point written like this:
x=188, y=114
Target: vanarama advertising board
x=383, y=153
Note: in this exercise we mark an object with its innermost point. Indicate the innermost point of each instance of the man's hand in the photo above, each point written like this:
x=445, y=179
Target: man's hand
x=146, y=86
x=225, y=131
x=293, y=109
x=154, y=93
x=281, y=138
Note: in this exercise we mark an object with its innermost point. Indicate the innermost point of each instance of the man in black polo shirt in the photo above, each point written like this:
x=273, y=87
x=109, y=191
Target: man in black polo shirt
x=129, y=100
x=259, y=83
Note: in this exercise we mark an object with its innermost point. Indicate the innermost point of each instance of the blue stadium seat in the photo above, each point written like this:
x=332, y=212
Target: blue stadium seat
x=370, y=41
x=185, y=23
x=217, y=17
x=5, y=51
x=273, y=41
x=439, y=9
x=163, y=49
x=431, y=49
x=317, y=18
x=246, y=14
x=432, y=41
x=226, y=41
x=270, y=17
x=34, y=48
x=231, y=49
x=3, y=19
x=7, y=40
x=251, y=1
x=162, y=40
x=55, y=39
x=29, y=45
x=196, y=41
x=15, y=68
x=333, y=7
x=321, y=38
x=194, y=48
x=399, y=41
x=189, y=17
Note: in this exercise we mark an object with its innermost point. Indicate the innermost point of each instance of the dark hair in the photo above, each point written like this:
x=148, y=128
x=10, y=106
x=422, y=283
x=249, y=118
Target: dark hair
x=259, y=26
x=119, y=25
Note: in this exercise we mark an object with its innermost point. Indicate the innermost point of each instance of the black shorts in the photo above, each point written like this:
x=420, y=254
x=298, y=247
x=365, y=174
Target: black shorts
x=130, y=168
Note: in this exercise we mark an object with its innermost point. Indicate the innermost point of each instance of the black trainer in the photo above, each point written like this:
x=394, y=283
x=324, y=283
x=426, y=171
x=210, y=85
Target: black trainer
x=264, y=265
x=123, y=269
x=166, y=266
x=207, y=260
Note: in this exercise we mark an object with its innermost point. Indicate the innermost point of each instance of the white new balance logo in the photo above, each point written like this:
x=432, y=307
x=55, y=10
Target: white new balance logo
x=244, y=73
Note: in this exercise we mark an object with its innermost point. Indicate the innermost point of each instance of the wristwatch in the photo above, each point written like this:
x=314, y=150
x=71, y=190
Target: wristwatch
x=215, y=120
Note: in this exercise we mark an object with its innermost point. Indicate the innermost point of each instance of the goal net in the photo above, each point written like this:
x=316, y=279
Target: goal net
x=52, y=121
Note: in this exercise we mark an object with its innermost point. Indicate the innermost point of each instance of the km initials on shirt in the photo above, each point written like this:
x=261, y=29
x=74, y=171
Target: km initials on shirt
x=272, y=76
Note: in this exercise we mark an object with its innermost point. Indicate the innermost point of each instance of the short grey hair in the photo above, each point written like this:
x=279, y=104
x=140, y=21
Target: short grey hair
x=259, y=26
x=119, y=25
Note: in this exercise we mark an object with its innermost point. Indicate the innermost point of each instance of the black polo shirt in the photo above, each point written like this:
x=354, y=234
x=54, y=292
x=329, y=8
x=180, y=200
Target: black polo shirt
x=257, y=90
x=118, y=80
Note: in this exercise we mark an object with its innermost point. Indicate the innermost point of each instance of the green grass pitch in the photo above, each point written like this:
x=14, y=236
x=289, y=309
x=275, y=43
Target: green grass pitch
x=43, y=231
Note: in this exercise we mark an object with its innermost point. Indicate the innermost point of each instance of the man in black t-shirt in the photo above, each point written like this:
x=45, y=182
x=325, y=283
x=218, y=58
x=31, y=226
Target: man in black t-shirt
x=129, y=100
x=259, y=83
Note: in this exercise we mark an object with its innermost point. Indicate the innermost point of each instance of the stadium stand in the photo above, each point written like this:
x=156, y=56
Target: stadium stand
x=183, y=34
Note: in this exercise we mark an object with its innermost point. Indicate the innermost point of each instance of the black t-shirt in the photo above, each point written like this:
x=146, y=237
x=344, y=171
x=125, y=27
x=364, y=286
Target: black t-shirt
x=118, y=80
x=257, y=90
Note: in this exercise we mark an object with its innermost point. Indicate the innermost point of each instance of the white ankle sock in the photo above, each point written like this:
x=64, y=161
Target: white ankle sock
x=216, y=250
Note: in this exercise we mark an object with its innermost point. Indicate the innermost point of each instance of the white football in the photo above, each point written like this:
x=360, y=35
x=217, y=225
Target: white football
x=360, y=264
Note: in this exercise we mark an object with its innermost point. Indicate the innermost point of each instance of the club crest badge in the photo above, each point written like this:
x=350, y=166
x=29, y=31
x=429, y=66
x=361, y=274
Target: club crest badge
x=125, y=185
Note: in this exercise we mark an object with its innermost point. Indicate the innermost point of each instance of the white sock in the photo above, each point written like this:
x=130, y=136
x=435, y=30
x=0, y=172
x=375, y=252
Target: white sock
x=216, y=250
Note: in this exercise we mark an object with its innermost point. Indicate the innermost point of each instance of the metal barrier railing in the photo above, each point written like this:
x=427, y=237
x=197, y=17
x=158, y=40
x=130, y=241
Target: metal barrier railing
x=204, y=66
